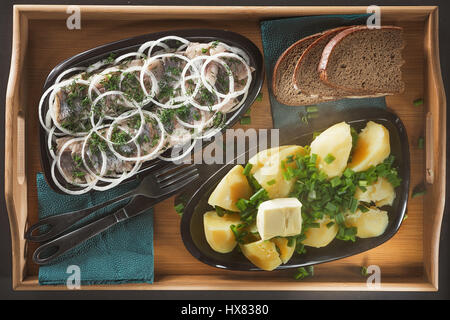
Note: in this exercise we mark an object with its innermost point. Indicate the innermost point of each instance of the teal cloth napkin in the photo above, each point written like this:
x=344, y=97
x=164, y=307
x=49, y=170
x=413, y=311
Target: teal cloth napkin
x=121, y=254
x=277, y=35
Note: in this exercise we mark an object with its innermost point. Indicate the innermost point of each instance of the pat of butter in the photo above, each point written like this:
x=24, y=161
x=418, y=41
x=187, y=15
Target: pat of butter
x=279, y=217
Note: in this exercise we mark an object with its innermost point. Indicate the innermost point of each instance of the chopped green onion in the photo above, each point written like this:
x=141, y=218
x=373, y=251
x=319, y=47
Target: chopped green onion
x=347, y=234
x=290, y=159
x=355, y=137
x=340, y=218
x=419, y=190
x=329, y=158
x=330, y=224
x=259, y=97
x=303, y=273
x=221, y=211
x=353, y=205
x=419, y=193
x=259, y=195
x=331, y=207
x=418, y=102
x=335, y=182
x=363, y=208
x=312, y=194
x=286, y=176
x=312, y=109
x=237, y=233
x=312, y=115
x=253, y=182
x=362, y=183
x=300, y=238
x=300, y=248
x=246, y=120
x=271, y=182
x=241, y=204
x=322, y=176
x=291, y=241
x=179, y=208
x=316, y=133
x=364, y=271
x=348, y=172
x=247, y=169
x=304, y=119
x=420, y=142
x=312, y=225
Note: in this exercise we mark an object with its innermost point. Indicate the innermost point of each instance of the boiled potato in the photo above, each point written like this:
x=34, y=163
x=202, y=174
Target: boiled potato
x=335, y=142
x=322, y=236
x=270, y=174
x=258, y=160
x=233, y=187
x=372, y=147
x=381, y=193
x=262, y=253
x=369, y=224
x=286, y=252
x=217, y=231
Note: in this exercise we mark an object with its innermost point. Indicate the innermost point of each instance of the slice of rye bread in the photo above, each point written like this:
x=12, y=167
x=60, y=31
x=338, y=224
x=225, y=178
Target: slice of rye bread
x=306, y=78
x=364, y=61
x=282, y=86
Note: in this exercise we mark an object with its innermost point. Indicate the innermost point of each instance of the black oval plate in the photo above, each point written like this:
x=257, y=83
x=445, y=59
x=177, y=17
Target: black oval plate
x=192, y=231
x=132, y=44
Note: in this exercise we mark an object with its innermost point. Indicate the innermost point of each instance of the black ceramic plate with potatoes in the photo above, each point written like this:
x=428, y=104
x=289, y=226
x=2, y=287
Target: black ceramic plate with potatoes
x=192, y=229
x=91, y=56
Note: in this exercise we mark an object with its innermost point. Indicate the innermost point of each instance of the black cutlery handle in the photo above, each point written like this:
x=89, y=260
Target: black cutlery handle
x=55, y=248
x=55, y=225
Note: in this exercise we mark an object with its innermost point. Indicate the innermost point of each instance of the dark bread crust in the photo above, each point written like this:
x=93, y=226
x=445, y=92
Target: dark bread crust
x=286, y=58
x=328, y=51
x=320, y=41
x=285, y=53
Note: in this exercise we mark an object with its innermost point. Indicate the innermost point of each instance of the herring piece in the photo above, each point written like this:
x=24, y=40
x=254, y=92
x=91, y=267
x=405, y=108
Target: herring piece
x=279, y=217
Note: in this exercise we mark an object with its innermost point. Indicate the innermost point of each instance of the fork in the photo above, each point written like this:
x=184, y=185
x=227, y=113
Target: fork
x=158, y=185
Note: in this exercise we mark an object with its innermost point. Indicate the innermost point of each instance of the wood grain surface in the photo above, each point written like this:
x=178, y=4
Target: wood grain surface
x=401, y=259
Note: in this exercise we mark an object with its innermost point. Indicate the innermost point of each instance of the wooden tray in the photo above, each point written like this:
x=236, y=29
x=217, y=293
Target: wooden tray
x=409, y=261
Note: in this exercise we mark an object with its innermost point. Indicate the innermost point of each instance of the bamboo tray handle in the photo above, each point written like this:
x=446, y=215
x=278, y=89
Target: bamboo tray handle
x=429, y=149
x=20, y=148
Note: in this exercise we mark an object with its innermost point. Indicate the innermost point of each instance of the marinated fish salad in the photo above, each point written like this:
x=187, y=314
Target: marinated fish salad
x=105, y=120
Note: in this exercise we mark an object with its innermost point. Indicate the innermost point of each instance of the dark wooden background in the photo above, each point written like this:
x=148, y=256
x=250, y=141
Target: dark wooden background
x=5, y=240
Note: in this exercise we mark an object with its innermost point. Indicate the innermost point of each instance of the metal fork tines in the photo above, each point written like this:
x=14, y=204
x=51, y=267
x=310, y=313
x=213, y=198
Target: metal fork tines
x=158, y=185
x=170, y=179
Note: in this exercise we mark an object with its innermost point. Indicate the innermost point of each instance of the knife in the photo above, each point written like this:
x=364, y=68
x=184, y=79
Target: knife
x=55, y=248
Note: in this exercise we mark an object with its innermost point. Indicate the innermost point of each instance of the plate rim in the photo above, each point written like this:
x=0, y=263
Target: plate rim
x=388, y=114
x=104, y=50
